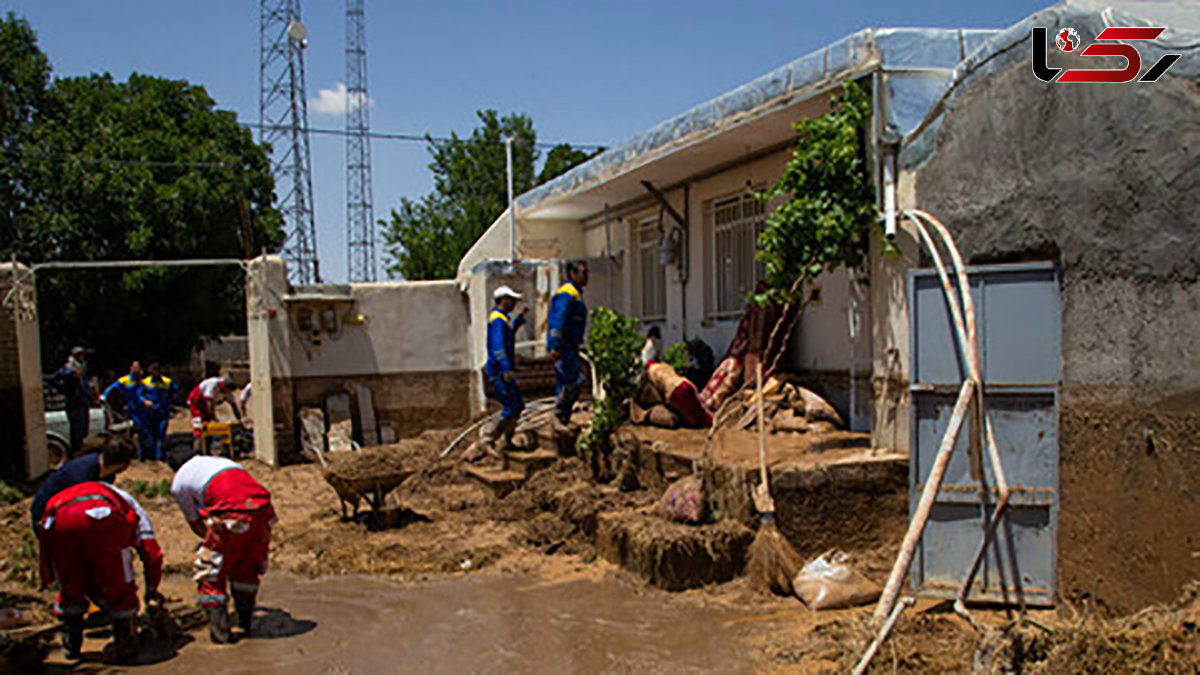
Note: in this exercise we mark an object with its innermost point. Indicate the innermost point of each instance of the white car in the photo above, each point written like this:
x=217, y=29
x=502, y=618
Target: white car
x=58, y=427
x=58, y=432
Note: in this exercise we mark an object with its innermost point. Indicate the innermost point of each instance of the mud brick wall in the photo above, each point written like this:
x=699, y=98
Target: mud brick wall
x=411, y=402
x=1105, y=180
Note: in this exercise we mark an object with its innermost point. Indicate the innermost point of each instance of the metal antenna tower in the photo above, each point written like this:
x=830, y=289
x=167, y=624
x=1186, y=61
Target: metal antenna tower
x=360, y=216
x=283, y=124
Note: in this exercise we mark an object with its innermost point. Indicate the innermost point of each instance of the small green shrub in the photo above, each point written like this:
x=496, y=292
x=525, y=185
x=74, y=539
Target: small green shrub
x=9, y=494
x=149, y=490
x=614, y=348
x=678, y=357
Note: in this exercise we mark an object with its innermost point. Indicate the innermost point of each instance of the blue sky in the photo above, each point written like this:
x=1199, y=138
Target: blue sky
x=585, y=71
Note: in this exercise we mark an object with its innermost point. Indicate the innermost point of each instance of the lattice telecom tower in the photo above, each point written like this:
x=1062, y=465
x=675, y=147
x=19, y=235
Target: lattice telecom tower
x=360, y=216
x=283, y=123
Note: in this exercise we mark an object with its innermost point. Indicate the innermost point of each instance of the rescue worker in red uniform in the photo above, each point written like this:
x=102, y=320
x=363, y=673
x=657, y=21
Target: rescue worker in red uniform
x=203, y=401
x=232, y=512
x=86, y=534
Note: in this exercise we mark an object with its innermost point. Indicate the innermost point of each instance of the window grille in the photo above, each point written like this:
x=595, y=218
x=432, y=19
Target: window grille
x=737, y=221
x=652, y=277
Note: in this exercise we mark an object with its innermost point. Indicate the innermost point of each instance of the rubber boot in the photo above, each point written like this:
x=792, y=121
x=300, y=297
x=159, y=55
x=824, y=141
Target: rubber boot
x=218, y=625
x=72, y=637
x=124, y=640
x=245, y=613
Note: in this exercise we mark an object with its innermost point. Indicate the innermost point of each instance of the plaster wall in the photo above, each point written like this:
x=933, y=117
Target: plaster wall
x=1104, y=180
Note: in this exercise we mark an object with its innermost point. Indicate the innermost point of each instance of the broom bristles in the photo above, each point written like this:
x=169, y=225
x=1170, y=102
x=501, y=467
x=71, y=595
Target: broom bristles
x=771, y=561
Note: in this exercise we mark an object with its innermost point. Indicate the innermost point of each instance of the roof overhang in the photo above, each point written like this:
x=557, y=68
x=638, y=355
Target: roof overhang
x=756, y=118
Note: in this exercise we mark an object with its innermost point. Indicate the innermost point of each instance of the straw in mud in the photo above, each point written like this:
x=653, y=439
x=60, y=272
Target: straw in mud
x=772, y=563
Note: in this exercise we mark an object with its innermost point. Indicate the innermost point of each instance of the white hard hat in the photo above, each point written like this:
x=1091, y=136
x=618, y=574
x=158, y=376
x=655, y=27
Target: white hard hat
x=505, y=292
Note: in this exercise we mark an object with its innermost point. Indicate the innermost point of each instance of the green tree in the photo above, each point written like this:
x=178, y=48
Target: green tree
x=829, y=199
x=428, y=236
x=561, y=159
x=147, y=169
x=24, y=77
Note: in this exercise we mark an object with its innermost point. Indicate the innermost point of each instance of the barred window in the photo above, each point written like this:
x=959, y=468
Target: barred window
x=736, y=223
x=652, y=275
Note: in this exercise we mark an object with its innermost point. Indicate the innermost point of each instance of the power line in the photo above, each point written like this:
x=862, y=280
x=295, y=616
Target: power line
x=424, y=138
x=67, y=157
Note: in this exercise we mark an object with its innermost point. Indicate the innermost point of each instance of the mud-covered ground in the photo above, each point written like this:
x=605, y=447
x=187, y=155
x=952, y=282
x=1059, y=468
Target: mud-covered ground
x=443, y=526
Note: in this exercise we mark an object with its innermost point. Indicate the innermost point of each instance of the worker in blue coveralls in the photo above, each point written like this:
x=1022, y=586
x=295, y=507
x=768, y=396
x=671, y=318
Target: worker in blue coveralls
x=129, y=386
x=501, y=342
x=568, y=319
x=73, y=382
x=158, y=391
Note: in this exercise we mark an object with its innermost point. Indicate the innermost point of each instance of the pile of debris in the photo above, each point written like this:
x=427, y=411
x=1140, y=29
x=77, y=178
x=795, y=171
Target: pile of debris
x=787, y=407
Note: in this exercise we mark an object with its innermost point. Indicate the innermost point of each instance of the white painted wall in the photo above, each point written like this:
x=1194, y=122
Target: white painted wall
x=391, y=327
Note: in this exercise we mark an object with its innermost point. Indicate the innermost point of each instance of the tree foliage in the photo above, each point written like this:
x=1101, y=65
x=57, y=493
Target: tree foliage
x=146, y=169
x=24, y=78
x=428, y=236
x=829, y=199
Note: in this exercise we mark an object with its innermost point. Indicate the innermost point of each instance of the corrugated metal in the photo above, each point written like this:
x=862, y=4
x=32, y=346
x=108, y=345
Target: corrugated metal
x=1018, y=314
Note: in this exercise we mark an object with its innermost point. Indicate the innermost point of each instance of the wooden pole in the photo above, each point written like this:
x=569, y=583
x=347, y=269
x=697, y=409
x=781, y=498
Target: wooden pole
x=762, y=433
x=932, y=484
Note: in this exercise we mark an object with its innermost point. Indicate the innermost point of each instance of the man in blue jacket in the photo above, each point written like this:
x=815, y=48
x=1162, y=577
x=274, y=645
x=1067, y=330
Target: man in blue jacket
x=158, y=391
x=129, y=386
x=112, y=459
x=72, y=381
x=568, y=319
x=501, y=342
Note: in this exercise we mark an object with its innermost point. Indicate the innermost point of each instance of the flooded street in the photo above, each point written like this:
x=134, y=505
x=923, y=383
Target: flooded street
x=482, y=623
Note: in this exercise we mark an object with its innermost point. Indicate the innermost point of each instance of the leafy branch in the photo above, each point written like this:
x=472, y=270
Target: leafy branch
x=830, y=200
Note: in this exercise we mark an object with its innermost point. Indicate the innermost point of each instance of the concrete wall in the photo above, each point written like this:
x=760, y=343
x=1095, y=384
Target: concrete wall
x=22, y=415
x=407, y=342
x=1105, y=180
x=389, y=327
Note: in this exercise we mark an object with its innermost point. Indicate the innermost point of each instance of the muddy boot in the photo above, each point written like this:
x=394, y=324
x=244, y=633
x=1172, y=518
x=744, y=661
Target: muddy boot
x=476, y=451
x=505, y=430
x=124, y=640
x=72, y=637
x=245, y=613
x=559, y=428
x=218, y=625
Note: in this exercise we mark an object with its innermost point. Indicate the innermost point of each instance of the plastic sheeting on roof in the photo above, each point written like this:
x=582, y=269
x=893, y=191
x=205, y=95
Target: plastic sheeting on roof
x=916, y=65
x=1007, y=48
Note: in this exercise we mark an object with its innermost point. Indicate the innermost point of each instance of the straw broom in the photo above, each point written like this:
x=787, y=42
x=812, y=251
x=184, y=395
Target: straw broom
x=772, y=563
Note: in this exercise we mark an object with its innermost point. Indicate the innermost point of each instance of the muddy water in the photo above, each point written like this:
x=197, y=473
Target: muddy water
x=481, y=623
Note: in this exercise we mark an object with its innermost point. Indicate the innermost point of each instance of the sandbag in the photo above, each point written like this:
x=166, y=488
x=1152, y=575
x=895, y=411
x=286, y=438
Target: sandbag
x=661, y=416
x=821, y=427
x=648, y=396
x=788, y=420
x=817, y=409
x=829, y=582
x=684, y=501
x=638, y=414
